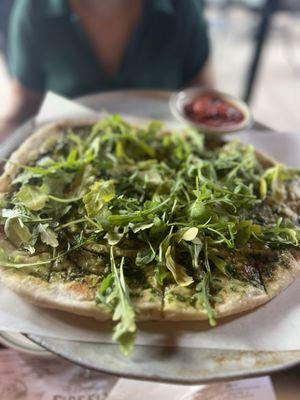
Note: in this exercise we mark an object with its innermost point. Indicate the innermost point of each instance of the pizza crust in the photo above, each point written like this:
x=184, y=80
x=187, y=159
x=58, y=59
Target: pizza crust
x=79, y=299
x=236, y=296
x=284, y=273
x=68, y=297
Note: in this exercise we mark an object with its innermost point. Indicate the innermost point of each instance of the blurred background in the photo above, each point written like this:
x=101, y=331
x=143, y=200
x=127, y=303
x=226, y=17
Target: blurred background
x=255, y=53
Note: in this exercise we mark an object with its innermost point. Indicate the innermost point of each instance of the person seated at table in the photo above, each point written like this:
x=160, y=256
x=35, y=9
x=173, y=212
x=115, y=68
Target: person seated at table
x=79, y=47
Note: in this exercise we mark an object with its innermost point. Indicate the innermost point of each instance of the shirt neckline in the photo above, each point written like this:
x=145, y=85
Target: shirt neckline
x=61, y=8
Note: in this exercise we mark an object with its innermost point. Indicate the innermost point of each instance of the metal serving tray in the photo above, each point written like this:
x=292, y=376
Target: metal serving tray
x=164, y=364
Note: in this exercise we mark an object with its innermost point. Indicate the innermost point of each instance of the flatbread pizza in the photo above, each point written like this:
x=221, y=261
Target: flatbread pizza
x=132, y=222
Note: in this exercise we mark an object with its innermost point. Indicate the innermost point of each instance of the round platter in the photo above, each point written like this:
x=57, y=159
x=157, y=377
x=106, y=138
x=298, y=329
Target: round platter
x=169, y=364
x=17, y=341
x=164, y=364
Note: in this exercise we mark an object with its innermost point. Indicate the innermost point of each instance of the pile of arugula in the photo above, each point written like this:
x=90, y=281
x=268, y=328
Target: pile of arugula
x=148, y=201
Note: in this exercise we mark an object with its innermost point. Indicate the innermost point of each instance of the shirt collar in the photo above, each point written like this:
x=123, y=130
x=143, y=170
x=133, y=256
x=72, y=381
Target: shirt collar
x=60, y=8
x=56, y=8
x=163, y=6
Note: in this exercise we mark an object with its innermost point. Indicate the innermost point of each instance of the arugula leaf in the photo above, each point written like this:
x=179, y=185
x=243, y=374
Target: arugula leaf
x=219, y=262
x=178, y=272
x=113, y=237
x=141, y=145
x=145, y=255
x=65, y=201
x=15, y=263
x=150, y=208
x=17, y=232
x=16, y=212
x=281, y=234
x=137, y=227
x=198, y=210
x=246, y=229
x=124, y=315
x=196, y=138
x=203, y=298
x=48, y=236
x=103, y=290
x=106, y=284
x=100, y=193
x=32, y=197
x=263, y=188
x=114, y=293
x=188, y=234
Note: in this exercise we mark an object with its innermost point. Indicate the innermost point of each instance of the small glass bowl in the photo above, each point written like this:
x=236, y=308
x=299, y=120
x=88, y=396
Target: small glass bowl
x=179, y=100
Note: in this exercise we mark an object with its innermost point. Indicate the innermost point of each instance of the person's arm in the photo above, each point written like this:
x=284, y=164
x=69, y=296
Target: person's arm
x=20, y=105
x=205, y=76
x=197, y=68
x=25, y=67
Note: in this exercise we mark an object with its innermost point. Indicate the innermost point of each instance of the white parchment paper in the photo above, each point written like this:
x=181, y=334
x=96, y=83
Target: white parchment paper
x=274, y=326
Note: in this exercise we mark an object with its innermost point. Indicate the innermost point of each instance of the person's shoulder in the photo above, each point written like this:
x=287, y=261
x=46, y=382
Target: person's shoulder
x=188, y=8
x=32, y=9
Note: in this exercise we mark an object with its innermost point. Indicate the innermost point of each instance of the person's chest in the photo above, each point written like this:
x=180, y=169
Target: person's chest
x=109, y=34
x=72, y=66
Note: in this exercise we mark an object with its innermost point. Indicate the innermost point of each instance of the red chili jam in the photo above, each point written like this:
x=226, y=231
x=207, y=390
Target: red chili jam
x=213, y=111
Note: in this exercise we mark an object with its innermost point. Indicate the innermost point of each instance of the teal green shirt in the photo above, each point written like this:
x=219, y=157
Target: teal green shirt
x=48, y=50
